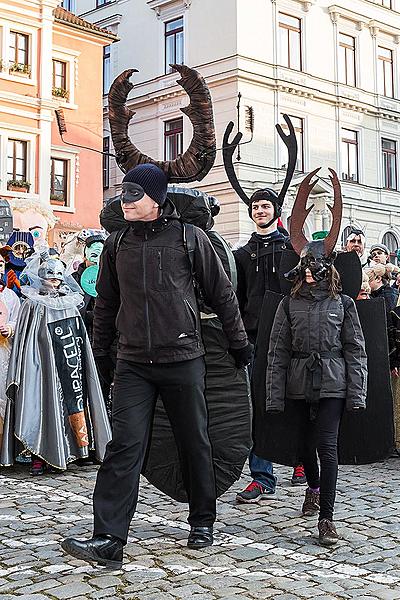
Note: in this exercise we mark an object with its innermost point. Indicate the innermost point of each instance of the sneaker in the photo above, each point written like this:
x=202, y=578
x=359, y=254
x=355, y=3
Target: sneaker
x=327, y=533
x=253, y=493
x=38, y=467
x=298, y=477
x=311, y=503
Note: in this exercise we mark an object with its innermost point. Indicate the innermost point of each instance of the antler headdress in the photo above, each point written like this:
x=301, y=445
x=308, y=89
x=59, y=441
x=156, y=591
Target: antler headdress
x=197, y=160
x=229, y=147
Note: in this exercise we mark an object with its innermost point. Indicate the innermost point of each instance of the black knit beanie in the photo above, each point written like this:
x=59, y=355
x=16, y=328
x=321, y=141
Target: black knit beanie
x=152, y=179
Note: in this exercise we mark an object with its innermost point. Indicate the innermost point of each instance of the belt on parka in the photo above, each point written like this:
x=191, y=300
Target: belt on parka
x=314, y=375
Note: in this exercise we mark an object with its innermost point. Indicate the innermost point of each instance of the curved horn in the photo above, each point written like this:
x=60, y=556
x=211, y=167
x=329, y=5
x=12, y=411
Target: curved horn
x=197, y=160
x=300, y=213
x=228, y=149
x=290, y=142
x=336, y=212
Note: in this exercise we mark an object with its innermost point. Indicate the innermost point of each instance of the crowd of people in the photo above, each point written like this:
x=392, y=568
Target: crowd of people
x=102, y=343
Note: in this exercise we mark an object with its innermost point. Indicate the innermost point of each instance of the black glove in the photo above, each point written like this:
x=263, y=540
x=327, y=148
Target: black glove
x=105, y=369
x=242, y=356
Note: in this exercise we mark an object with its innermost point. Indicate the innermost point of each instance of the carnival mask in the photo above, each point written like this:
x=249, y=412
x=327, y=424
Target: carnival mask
x=52, y=268
x=92, y=252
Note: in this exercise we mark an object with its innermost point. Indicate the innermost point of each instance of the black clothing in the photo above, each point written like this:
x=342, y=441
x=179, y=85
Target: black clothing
x=390, y=295
x=321, y=435
x=105, y=551
x=258, y=270
x=318, y=332
x=136, y=387
x=145, y=291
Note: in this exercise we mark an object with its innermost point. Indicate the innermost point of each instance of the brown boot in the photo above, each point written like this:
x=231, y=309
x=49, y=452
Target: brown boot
x=327, y=533
x=311, y=503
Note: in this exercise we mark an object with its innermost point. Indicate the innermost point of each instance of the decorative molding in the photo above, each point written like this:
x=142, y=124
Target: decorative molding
x=168, y=6
x=337, y=12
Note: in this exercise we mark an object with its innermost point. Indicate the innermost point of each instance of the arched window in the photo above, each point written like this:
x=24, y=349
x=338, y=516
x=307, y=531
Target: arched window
x=391, y=241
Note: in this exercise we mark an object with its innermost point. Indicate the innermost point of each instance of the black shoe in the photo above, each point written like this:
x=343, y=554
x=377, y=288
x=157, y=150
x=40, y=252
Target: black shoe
x=105, y=550
x=200, y=537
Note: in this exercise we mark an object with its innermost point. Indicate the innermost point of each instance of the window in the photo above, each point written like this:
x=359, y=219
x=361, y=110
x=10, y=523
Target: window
x=59, y=78
x=59, y=181
x=19, y=52
x=349, y=155
x=102, y=2
x=16, y=159
x=173, y=43
x=106, y=163
x=173, y=138
x=387, y=3
x=385, y=72
x=69, y=5
x=106, y=69
x=299, y=129
x=389, y=157
x=345, y=234
x=390, y=240
x=347, y=59
x=290, y=41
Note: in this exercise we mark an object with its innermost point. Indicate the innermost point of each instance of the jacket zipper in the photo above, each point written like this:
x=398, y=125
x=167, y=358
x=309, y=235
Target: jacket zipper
x=159, y=268
x=193, y=313
x=146, y=300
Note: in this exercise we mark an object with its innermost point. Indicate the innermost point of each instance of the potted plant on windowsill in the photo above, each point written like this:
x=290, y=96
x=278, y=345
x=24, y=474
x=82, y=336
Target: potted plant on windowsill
x=57, y=200
x=20, y=69
x=18, y=185
x=59, y=92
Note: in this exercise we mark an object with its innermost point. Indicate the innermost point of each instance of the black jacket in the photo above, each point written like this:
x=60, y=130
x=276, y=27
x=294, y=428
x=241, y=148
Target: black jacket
x=145, y=291
x=318, y=323
x=257, y=271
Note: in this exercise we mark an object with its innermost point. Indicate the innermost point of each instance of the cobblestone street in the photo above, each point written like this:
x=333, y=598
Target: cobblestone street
x=261, y=551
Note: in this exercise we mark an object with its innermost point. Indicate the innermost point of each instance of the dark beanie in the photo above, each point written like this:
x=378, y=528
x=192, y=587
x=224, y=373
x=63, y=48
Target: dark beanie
x=263, y=194
x=152, y=179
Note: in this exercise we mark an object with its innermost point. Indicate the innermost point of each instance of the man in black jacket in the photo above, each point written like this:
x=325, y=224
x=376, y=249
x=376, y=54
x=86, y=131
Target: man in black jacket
x=258, y=271
x=145, y=291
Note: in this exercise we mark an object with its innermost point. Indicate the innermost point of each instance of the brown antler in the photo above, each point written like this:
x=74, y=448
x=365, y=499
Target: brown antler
x=197, y=160
x=336, y=212
x=300, y=213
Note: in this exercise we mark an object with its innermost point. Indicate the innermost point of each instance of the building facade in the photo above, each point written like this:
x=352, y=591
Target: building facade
x=50, y=59
x=332, y=67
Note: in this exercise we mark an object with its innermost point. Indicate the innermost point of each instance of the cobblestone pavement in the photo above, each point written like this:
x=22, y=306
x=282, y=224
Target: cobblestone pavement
x=261, y=551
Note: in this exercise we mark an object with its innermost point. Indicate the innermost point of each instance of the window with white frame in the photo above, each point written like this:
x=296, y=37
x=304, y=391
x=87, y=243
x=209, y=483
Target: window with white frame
x=385, y=72
x=349, y=155
x=389, y=164
x=347, y=59
x=106, y=69
x=174, y=42
x=391, y=241
x=17, y=151
x=386, y=3
x=69, y=5
x=60, y=88
x=173, y=138
x=18, y=53
x=290, y=50
x=59, y=181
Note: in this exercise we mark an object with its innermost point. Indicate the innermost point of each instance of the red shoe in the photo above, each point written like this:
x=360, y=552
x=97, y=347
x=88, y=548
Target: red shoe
x=298, y=477
x=38, y=467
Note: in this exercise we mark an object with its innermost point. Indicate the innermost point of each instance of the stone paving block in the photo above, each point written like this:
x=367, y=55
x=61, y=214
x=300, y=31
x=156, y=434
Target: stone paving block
x=71, y=590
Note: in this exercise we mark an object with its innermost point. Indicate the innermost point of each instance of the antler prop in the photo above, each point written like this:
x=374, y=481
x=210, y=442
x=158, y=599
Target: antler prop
x=197, y=160
x=290, y=142
x=336, y=212
x=300, y=213
x=228, y=149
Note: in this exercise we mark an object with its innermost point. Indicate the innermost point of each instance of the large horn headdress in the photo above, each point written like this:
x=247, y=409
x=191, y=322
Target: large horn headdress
x=229, y=147
x=197, y=160
x=317, y=255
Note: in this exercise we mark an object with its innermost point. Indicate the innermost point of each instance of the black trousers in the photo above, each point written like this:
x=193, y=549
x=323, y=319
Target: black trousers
x=321, y=438
x=136, y=388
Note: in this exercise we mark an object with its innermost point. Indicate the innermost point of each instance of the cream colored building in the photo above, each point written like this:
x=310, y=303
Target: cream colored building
x=332, y=67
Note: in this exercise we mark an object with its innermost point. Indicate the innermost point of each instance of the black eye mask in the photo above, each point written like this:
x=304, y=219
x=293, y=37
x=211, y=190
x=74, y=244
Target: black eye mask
x=131, y=192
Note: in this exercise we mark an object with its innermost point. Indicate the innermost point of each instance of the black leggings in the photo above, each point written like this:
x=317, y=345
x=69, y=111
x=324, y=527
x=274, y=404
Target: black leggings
x=321, y=438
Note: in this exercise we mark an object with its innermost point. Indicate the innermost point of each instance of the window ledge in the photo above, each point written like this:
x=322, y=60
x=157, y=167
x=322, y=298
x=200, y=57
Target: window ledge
x=18, y=78
x=66, y=209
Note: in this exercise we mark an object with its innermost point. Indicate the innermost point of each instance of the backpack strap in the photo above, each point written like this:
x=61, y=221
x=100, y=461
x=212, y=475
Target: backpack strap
x=189, y=243
x=117, y=242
